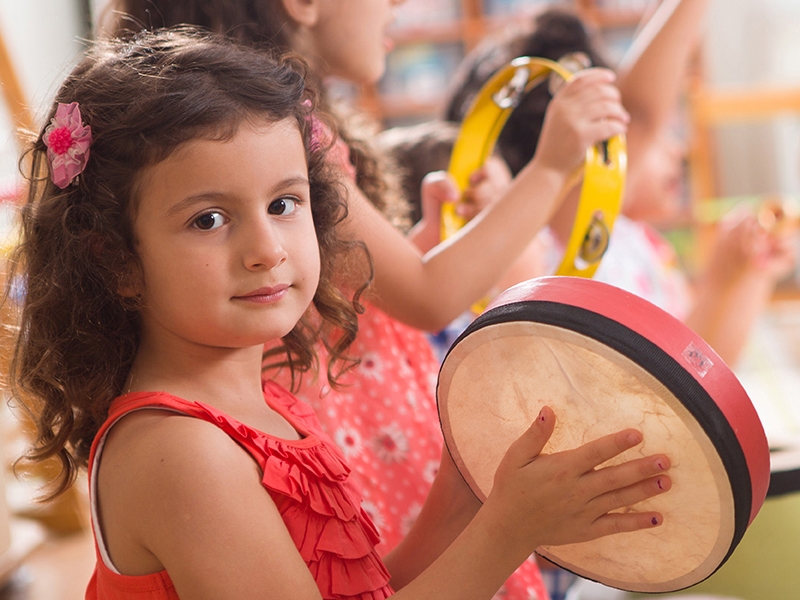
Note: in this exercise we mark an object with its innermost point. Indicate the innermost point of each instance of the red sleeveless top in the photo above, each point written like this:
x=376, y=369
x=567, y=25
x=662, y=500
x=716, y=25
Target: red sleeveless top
x=307, y=479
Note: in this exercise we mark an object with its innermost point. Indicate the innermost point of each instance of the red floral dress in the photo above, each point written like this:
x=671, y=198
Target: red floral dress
x=384, y=419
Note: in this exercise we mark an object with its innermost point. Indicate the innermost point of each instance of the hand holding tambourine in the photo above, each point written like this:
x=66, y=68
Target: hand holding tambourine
x=603, y=169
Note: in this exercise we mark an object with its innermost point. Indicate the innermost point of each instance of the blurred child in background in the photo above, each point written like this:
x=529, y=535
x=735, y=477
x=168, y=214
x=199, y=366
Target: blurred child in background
x=746, y=261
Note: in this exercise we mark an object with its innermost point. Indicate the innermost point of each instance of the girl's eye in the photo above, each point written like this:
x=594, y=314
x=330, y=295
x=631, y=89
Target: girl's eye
x=209, y=221
x=283, y=206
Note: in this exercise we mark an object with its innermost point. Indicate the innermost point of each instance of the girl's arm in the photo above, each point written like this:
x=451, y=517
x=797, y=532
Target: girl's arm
x=536, y=500
x=736, y=285
x=653, y=71
x=429, y=291
x=179, y=494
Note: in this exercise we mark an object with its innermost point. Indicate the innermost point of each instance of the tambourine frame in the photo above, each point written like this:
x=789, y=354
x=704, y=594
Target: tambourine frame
x=603, y=172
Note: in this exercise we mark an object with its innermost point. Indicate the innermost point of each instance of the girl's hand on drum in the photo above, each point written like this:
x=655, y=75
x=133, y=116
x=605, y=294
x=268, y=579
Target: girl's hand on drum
x=585, y=111
x=567, y=497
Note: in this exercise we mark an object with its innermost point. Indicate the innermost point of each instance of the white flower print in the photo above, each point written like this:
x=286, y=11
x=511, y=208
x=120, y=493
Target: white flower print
x=430, y=470
x=371, y=366
x=349, y=441
x=391, y=444
x=411, y=398
x=410, y=518
x=374, y=514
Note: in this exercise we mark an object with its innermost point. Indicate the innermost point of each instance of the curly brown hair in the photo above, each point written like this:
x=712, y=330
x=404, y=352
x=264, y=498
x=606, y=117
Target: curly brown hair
x=264, y=23
x=143, y=98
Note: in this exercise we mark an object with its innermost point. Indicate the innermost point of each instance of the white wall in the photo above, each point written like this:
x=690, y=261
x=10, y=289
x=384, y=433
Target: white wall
x=754, y=42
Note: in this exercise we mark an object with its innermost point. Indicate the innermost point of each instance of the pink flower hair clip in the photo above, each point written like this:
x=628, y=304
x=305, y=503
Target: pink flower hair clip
x=68, y=141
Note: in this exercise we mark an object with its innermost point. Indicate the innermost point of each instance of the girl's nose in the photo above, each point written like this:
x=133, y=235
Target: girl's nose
x=263, y=247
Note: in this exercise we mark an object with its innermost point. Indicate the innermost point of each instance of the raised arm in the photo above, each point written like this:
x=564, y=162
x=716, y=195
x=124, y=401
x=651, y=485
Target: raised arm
x=653, y=71
x=736, y=284
x=429, y=291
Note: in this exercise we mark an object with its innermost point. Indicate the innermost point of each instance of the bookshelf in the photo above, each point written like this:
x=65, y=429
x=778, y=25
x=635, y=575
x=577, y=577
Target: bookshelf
x=432, y=36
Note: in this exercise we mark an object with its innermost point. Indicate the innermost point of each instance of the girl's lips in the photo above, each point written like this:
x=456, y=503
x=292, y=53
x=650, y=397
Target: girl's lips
x=264, y=295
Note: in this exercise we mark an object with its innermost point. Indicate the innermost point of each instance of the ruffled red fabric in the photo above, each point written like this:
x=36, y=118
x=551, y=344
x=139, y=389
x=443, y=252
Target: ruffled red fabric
x=308, y=479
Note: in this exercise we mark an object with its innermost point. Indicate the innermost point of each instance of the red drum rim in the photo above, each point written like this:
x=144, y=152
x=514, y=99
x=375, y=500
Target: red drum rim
x=669, y=351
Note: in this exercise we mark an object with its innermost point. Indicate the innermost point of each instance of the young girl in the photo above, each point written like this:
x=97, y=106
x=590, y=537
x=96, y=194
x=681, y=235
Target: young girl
x=383, y=414
x=180, y=217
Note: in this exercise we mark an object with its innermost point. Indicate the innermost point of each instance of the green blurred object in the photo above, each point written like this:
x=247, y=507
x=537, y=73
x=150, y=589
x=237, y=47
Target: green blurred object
x=766, y=564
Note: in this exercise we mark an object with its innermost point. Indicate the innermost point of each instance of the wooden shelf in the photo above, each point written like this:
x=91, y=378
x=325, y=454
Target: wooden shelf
x=715, y=107
x=434, y=32
x=611, y=18
x=396, y=107
x=469, y=30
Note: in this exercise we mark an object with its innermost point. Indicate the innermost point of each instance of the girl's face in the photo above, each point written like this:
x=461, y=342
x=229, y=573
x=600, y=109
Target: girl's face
x=349, y=38
x=226, y=239
x=654, y=186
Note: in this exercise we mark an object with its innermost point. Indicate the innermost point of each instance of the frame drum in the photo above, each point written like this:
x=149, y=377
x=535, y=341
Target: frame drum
x=606, y=360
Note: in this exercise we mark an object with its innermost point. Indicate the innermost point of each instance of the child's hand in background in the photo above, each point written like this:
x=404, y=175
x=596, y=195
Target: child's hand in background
x=743, y=246
x=486, y=185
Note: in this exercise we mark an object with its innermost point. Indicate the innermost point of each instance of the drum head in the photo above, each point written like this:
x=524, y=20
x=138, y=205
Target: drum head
x=605, y=360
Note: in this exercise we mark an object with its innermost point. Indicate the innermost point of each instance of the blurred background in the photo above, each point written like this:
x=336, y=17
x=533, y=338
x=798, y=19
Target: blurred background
x=740, y=119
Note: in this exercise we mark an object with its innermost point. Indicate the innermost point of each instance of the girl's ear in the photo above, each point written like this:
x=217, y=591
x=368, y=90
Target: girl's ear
x=303, y=12
x=130, y=285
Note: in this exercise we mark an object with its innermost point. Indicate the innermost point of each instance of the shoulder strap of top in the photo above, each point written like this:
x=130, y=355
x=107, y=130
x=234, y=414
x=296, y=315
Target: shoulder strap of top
x=120, y=408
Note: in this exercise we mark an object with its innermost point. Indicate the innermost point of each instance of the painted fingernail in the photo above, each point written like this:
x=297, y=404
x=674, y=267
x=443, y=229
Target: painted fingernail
x=660, y=465
x=634, y=437
x=541, y=416
x=654, y=521
x=660, y=484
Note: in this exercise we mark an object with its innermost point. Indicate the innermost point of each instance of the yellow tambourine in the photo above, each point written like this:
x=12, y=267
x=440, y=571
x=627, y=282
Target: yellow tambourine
x=603, y=173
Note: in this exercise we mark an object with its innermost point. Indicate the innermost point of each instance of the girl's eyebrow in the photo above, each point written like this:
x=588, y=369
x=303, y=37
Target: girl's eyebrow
x=205, y=196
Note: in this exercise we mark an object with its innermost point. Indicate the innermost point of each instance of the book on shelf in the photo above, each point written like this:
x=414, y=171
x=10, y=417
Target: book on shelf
x=509, y=7
x=421, y=71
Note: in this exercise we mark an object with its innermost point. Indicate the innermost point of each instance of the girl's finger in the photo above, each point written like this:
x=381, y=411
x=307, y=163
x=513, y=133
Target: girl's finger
x=617, y=477
x=529, y=445
x=593, y=454
x=604, y=130
x=439, y=186
x=631, y=495
x=593, y=76
x=625, y=523
x=606, y=110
